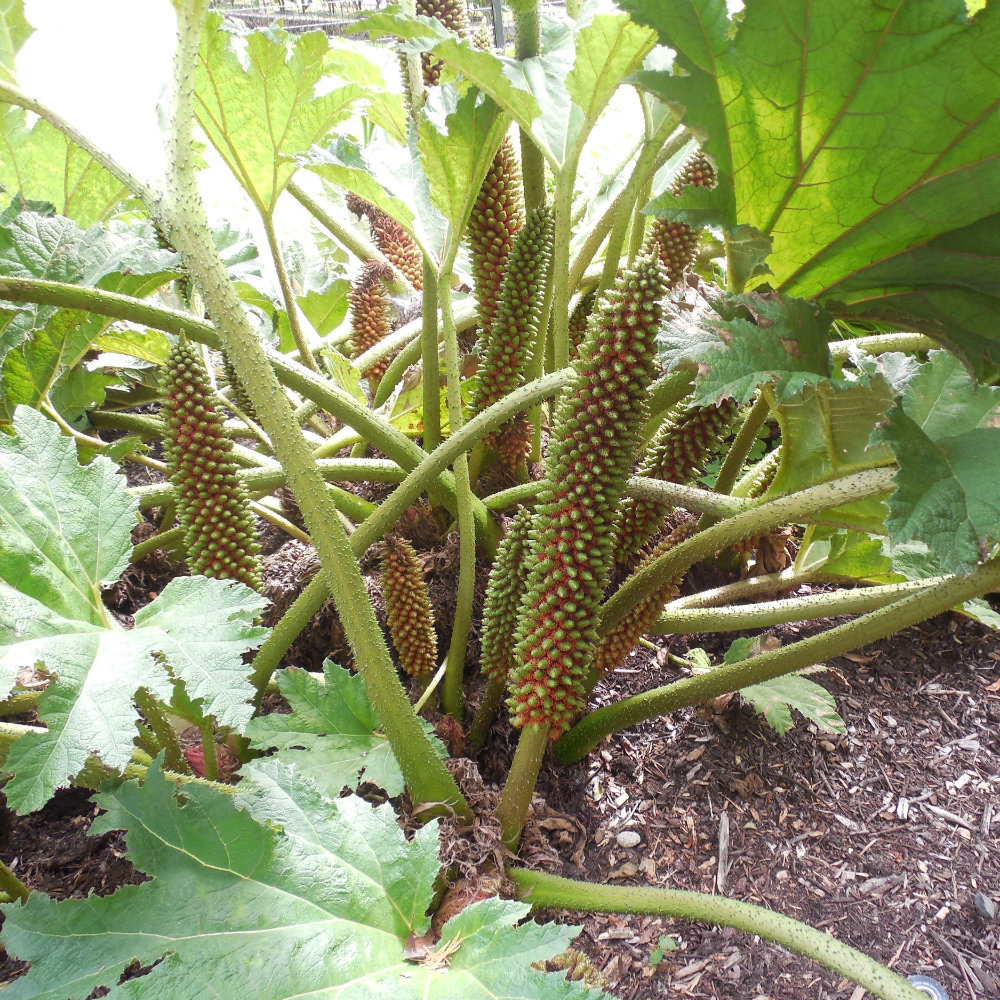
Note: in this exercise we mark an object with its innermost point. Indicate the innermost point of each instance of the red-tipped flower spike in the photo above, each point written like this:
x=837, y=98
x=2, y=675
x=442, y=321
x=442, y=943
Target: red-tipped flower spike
x=212, y=505
x=408, y=608
x=681, y=449
x=454, y=16
x=595, y=434
x=675, y=243
x=496, y=217
x=508, y=343
x=371, y=315
x=394, y=242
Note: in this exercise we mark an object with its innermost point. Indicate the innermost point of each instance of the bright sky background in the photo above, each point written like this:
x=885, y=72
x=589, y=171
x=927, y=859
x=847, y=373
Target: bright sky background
x=102, y=65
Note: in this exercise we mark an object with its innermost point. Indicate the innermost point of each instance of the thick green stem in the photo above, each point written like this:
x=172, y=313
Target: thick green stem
x=805, y=505
x=166, y=735
x=882, y=343
x=521, y=780
x=165, y=540
x=692, y=498
x=752, y=586
x=737, y=455
x=12, y=885
x=526, y=28
x=736, y=617
x=430, y=373
x=546, y=891
x=486, y=713
x=286, y=630
x=349, y=238
x=952, y=591
x=263, y=481
x=451, y=689
x=426, y=777
x=288, y=294
x=561, y=290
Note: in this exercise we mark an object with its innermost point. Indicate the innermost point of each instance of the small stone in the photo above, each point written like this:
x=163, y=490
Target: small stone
x=628, y=838
x=985, y=906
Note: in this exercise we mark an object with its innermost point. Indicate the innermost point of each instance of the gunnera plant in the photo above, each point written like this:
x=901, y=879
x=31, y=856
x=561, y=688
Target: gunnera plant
x=408, y=608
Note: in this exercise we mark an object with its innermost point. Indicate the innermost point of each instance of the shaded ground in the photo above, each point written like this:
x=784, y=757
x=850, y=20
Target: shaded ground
x=882, y=836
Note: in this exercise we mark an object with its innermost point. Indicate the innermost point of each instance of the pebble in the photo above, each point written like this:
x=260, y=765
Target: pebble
x=628, y=838
x=985, y=906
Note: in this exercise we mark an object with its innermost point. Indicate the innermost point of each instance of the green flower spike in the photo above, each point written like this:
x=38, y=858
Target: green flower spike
x=497, y=216
x=508, y=343
x=408, y=608
x=595, y=435
x=371, y=315
x=622, y=639
x=676, y=242
x=212, y=505
x=685, y=443
x=503, y=594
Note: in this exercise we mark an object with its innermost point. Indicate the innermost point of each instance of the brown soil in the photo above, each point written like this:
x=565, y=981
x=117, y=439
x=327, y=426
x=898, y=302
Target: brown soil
x=882, y=836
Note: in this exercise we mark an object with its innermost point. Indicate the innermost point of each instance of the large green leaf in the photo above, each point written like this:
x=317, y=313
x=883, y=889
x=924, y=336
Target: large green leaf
x=943, y=400
x=825, y=431
x=457, y=140
x=280, y=894
x=120, y=257
x=331, y=734
x=40, y=163
x=259, y=100
x=946, y=491
x=65, y=530
x=743, y=341
x=863, y=140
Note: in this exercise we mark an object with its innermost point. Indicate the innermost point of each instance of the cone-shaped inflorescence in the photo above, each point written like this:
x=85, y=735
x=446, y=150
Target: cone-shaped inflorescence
x=595, y=434
x=503, y=595
x=685, y=443
x=408, y=608
x=496, y=217
x=508, y=343
x=622, y=638
x=371, y=315
x=676, y=242
x=454, y=16
x=394, y=242
x=212, y=505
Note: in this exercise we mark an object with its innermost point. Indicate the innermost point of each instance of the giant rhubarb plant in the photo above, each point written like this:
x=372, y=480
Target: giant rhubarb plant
x=886, y=469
